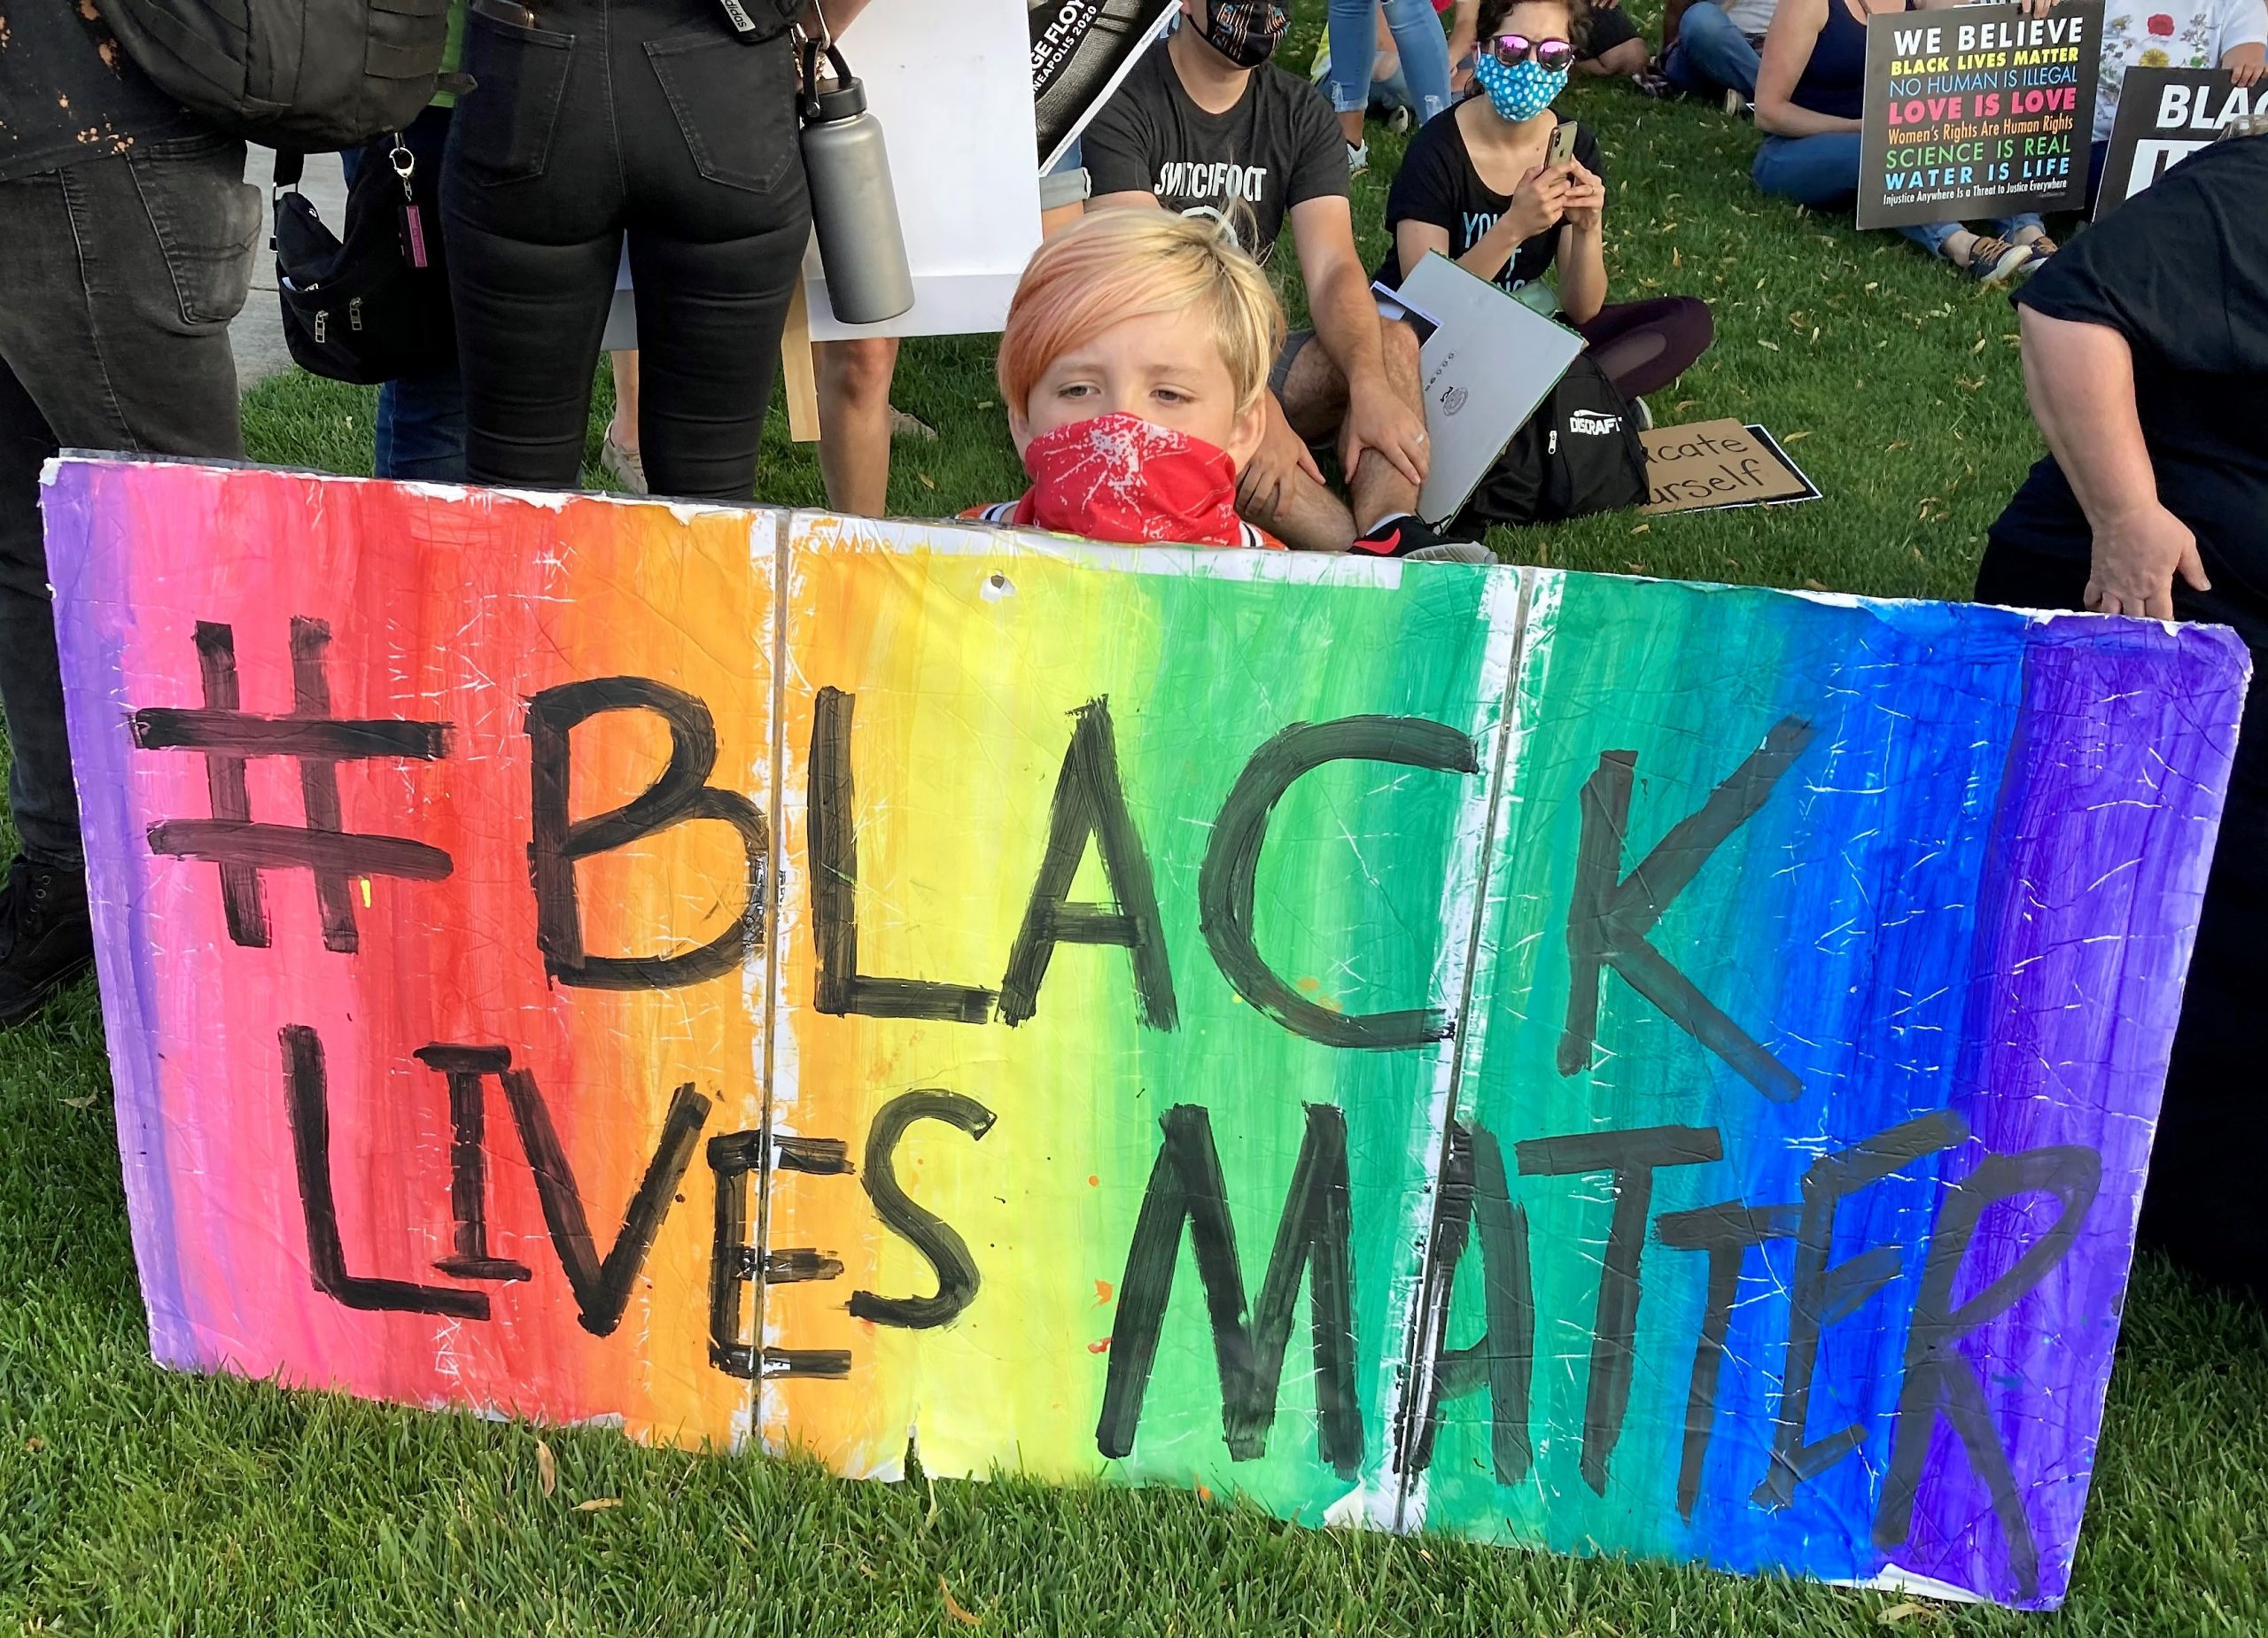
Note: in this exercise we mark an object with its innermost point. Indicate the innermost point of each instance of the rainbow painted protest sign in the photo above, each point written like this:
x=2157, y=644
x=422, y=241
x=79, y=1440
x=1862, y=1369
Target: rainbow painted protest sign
x=1596, y=1064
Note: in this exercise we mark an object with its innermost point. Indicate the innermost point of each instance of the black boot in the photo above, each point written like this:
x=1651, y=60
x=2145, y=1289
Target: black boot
x=46, y=939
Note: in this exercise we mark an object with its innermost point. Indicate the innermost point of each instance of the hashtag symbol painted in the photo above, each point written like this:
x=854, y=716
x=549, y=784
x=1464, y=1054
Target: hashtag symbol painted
x=242, y=847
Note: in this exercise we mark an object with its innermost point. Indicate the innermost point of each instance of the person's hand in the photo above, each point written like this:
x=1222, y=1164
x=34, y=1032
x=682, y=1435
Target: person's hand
x=1378, y=418
x=1584, y=204
x=2248, y=74
x=1460, y=61
x=2135, y=560
x=2029, y=7
x=1272, y=476
x=1538, y=202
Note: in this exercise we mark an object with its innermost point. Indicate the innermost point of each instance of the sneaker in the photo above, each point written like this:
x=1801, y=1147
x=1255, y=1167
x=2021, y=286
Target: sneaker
x=625, y=466
x=1407, y=536
x=1654, y=85
x=2042, y=249
x=1645, y=413
x=912, y=428
x=46, y=938
x=1399, y=120
x=1358, y=158
x=1996, y=261
x=1736, y=105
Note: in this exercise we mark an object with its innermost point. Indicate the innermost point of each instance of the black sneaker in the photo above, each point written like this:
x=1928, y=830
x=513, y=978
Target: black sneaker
x=1406, y=535
x=46, y=938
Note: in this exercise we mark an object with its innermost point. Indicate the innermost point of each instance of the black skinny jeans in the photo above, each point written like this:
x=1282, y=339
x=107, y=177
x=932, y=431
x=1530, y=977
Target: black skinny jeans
x=608, y=117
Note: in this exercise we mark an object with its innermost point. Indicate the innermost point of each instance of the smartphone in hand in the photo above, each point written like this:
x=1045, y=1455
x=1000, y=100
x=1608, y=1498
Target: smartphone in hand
x=1562, y=143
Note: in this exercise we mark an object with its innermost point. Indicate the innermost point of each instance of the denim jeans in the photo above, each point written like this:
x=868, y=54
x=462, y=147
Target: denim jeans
x=421, y=418
x=119, y=276
x=1823, y=172
x=1417, y=37
x=1711, y=55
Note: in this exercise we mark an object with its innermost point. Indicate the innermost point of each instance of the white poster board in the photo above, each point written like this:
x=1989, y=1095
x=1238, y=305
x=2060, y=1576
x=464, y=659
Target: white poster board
x=1487, y=366
x=950, y=82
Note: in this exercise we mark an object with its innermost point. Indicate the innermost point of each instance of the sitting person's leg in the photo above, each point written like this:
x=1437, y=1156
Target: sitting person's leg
x=1821, y=172
x=1644, y=345
x=1711, y=55
x=1424, y=50
x=1314, y=396
x=1615, y=46
x=1280, y=490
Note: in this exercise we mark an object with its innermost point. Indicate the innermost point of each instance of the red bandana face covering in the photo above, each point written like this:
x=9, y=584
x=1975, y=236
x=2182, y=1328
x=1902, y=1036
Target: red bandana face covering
x=1130, y=482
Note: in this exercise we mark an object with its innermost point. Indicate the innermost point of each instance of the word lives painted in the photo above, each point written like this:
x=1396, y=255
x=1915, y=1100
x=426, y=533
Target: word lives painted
x=1582, y=1063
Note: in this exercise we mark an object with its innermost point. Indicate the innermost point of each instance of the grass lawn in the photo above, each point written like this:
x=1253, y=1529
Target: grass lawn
x=135, y=1501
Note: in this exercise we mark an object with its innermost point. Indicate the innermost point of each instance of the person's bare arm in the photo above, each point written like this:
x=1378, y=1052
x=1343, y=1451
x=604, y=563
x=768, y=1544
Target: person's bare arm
x=1583, y=246
x=1787, y=53
x=1120, y=201
x=2080, y=380
x=1464, y=24
x=1347, y=322
x=1536, y=208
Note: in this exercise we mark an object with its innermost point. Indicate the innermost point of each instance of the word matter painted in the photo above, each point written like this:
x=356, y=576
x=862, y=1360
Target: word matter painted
x=1596, y=1064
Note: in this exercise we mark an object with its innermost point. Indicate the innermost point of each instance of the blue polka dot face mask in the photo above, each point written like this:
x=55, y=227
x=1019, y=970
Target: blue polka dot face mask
x=1518, y=92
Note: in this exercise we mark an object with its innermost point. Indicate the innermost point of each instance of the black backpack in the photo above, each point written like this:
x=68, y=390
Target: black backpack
x=1577, y=455
x=312, y=75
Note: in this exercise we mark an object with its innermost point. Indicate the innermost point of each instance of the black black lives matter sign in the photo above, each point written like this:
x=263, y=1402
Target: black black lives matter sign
x=1080, y=51
x=2165, y=115
x=1977, y=111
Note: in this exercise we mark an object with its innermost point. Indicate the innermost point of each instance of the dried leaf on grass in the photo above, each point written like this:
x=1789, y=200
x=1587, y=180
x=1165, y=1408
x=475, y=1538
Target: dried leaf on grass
x=547, y=1469
x=598, y=1504
x=954, y=1609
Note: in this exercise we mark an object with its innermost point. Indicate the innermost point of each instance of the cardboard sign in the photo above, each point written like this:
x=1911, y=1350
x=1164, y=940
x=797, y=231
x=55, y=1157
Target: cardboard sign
x=2165, y=115
x=1489, y=363
x=1081, y=50
x=1978, y=111
x=969, y=206
x=1712, y=465
x=1573, y=1062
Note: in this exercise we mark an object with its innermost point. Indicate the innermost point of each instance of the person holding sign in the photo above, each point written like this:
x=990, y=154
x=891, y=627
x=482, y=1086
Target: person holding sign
x=1810, y=94
x=2173, y=33
x=1485, y=188
x=2145, y=357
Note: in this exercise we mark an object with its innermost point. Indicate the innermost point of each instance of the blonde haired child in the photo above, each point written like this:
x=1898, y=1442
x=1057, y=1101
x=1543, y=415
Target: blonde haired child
x=1134, y=366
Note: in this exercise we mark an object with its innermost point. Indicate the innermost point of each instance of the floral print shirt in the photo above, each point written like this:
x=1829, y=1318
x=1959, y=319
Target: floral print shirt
x=2170, y=34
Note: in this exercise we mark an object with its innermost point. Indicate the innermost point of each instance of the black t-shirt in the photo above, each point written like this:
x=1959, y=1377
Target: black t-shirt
x=68, y=93
x=2181, y=272
x=1439, y=185
x=1278, y=147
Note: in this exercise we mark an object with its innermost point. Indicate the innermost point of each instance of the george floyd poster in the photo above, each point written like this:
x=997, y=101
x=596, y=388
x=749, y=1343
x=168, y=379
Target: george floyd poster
x=1080, y=51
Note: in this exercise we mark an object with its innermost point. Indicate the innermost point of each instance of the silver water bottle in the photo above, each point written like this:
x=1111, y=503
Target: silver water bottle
x=861, y=242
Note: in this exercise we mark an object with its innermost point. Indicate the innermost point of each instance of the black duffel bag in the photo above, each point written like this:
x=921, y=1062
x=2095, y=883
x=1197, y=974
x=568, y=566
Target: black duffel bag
x=374, y=305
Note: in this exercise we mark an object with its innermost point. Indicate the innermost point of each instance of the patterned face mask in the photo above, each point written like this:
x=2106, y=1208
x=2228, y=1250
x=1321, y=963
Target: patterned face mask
x=1121, y=479
x=1246, y=32
x=1518, y=91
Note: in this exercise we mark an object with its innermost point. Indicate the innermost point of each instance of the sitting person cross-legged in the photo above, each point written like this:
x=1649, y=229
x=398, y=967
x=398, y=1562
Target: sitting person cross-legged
x=1710, y=46
x=1478, y=187
x=1809, y=91
x=1206, y=125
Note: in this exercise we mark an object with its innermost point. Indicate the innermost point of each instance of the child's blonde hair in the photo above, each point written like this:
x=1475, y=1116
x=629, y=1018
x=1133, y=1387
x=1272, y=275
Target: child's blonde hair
x=1125, y=263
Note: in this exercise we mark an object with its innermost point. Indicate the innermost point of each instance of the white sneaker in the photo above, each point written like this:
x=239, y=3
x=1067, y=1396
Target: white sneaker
x=1358, y=158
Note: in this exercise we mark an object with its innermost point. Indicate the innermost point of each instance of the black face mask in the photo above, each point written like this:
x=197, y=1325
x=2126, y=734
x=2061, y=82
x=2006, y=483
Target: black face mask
x=1246, y=32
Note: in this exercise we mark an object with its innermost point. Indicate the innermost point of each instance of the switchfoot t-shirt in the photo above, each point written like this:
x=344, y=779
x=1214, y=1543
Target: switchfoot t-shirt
x=68, y=92
x=1438, y=184
x=2181, y=272
x=1278, y=147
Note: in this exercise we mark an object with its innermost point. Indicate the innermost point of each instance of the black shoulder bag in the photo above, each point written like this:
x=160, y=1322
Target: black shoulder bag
x=373, y=305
